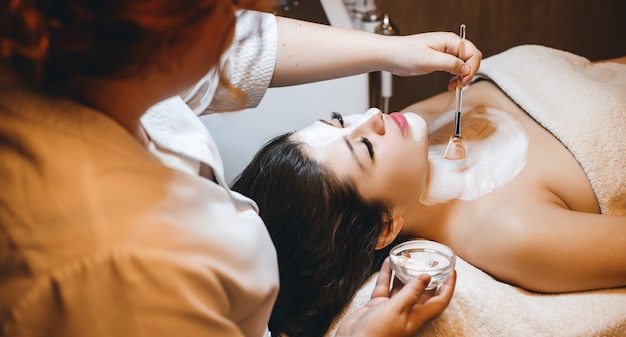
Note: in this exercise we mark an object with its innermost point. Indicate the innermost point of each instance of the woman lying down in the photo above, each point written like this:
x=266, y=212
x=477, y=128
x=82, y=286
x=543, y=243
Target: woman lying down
x=539, y=202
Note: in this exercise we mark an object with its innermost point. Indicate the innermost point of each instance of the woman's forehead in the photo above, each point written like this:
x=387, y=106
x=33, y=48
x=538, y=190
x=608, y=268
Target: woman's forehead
x=352, y=118
x=320, y=134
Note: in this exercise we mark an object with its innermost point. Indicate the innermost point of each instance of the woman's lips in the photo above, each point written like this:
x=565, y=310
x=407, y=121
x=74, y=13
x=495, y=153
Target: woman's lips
x=400, y=120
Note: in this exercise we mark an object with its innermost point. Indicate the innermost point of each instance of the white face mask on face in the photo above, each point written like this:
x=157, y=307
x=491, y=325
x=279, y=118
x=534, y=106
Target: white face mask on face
x=418, y=128
x=321, y=134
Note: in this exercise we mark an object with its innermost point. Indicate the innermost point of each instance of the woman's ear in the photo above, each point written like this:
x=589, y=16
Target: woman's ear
x=387, y=237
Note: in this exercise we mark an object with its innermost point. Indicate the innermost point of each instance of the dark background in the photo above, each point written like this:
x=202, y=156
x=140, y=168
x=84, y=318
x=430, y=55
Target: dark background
x=595, y=29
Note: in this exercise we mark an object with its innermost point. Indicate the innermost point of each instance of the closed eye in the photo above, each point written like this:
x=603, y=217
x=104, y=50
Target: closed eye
x=370, y=147
x=335, y=117
x=338, y=117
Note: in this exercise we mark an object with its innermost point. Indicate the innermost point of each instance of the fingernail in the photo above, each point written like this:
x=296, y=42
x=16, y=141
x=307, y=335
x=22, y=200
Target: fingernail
x=425, y=279
x=465, y=70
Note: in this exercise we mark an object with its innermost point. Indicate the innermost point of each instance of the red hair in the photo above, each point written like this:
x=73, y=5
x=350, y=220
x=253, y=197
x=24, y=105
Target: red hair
x=49, y=42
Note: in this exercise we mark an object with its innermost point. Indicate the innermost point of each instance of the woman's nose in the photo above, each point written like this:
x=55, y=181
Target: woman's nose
x=372, y=122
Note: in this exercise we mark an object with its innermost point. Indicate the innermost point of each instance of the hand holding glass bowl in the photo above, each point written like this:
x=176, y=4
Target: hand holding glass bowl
x=413, y=258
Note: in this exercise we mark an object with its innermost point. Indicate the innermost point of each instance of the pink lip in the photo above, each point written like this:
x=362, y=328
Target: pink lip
x=400, y=120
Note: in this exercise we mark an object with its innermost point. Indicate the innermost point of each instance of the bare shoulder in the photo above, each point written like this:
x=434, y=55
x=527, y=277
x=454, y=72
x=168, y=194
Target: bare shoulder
x=478, y=93
x=432, y=107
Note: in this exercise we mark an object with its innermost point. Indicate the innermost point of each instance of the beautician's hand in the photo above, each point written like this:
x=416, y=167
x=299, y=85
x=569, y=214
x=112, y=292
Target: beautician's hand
x=402, y=314
x=424, y=53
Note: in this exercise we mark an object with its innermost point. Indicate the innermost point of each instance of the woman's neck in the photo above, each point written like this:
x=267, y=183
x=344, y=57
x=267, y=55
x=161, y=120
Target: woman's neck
x=426, y=221
x=496, y=148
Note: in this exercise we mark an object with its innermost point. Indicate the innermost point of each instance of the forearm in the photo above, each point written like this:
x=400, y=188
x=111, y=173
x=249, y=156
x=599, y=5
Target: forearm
x=309, y=52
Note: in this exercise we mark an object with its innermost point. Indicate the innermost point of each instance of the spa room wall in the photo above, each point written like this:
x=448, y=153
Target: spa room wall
x=593, y=29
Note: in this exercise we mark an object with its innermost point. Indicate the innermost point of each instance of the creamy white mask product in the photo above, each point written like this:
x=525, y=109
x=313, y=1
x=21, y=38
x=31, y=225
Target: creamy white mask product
x=315, y=135
x=417, y=126
x=496, y=148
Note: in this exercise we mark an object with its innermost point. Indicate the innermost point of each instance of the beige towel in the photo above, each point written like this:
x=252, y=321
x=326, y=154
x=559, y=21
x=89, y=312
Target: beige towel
x=484, y=307
x=583, y=104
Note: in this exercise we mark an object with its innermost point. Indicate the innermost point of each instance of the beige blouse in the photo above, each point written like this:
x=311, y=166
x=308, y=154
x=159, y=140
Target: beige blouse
x=99, y=238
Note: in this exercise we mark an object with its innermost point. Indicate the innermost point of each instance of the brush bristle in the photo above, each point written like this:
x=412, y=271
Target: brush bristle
x=455, y=149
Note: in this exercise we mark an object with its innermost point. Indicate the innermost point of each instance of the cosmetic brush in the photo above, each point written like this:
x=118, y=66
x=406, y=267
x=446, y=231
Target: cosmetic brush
x=455, y=149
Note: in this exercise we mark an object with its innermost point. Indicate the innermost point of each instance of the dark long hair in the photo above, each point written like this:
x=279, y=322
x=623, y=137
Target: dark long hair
x=324, y=232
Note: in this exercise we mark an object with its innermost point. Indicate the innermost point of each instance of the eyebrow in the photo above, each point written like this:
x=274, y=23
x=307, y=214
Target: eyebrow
x=354, y=155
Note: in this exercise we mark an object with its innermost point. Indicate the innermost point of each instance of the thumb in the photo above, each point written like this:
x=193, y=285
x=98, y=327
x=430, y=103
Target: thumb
x=409, y=295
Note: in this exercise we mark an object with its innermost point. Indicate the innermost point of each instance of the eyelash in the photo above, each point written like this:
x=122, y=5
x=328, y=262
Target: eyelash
x=368, y=144
x=338, y=117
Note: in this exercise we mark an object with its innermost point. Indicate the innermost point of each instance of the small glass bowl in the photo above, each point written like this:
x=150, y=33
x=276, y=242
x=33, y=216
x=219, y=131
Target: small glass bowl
x=413, y=258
